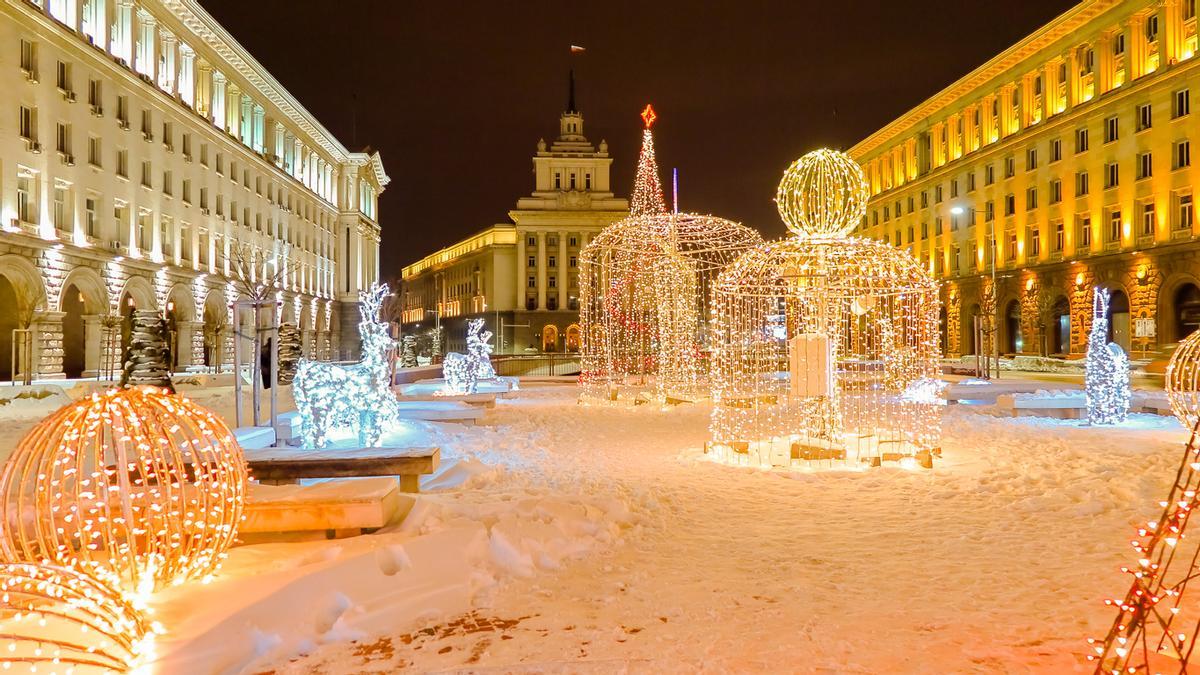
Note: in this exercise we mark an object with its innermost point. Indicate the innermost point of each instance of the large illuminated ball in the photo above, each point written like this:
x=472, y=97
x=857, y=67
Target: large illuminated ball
x=54, y=619
x=822, y=194
x=1183, y=380
x=139, y=483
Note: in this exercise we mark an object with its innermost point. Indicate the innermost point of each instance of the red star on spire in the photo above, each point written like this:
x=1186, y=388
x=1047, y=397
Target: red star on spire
x=648, y=115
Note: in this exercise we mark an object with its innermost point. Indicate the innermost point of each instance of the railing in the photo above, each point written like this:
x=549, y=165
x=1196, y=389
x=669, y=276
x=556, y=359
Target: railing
x=548, y=364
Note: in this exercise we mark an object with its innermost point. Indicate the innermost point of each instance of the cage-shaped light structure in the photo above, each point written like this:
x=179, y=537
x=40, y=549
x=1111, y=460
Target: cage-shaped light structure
x=56, y=619
x=826, y=345
x=644, y=286
x=139, y=483
x=1182, y=380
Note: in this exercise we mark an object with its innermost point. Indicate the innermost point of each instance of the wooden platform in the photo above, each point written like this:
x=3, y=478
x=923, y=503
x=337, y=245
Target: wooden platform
x=281, y=466
x=325, y=510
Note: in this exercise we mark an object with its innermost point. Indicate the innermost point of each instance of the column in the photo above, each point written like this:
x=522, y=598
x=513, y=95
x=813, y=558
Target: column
x=522, y=282
x=145, y=59
x=187, y=75
x=217, y=113
x=1170, y=32
x=185, y=343
x=541, y=271
x=233, y=108
x=122, y=43
x=203, y=96
x=277, y=144
x=93, y=336
x=47, y=345
x=166, y=70
x=562, y=271
x=258, y=128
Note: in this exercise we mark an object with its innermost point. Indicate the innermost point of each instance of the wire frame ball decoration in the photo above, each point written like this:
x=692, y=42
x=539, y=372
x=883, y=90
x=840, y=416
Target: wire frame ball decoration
x=826, y=344
x=54, y=618
x=644, y=284
x=139, y=483
x=1183, y=380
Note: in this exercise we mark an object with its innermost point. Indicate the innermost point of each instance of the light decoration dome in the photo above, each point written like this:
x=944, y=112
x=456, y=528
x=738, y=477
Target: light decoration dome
x=138, y=483
x=825, y=345
x=56, y=619
x=1183, y=381
x=644, y=287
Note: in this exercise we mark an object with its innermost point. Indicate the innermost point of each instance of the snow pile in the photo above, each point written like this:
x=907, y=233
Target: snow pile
x=1045, y=394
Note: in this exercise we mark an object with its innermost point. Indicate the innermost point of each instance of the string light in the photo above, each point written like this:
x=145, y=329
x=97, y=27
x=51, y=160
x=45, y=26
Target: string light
x=1105, y=369
x=56, y=618
x=329, y=395
x=463, y=372
x=647, y=190
x=1183, y=380
x=826, y=346
x=140, y=482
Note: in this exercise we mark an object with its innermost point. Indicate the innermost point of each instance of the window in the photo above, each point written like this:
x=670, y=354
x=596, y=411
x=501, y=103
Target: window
x=1114, y=225
x=1010, y=204
x=187, y=146
x=1112, y=175
x=1183, y=154
x=574, y=261
x=971, y=182
x=94, y=150
x=1145, y=165
x=954, y=258
x=89, y=216
x=146, y=171
x=187, y=191
x=123, y=111
x=1031, y=199
x=954, y=188
x=95, y=99
x=220, y=164
x=573, y=241
x=887, y=213
x=552, y=281
x=551, y=261
x=1145, y=117
x=123, y=163
x=1031, y=159
x=1060, y=236
x=27, y=124
x=924, y=231
x=1148, y=220
x=1055, y=150
x=937, y=194
x=557, y=180
x=1035, y=242
x=911, y=204
x=989, y=211
x=910, y=234
x=1081, y=140
x=26, y=201
x=532, y=283
x=62, y=141
x=1111, y=130
x=1012, y=247
x=63, y=80
x=1081, y=184
x=937, y=225
x=1183, y=104
x=1085, y=231
x=1055, y=191
x=61, y=215
x=924, y=199
x=1152, y=28
x=587, y=181
x=164, y=237
x=29, y=59
x=989, y=174
x=532, y=261
x=1010, y=167
x=204, y=198
x=1119, y=44
x=1186, y=214
x=204, y=154
x=147, y=128
x=1189, y=9
x=167, y=184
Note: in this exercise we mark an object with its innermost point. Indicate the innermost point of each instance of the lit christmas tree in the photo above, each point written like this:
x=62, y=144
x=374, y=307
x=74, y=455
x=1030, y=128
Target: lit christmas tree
x=647, y=190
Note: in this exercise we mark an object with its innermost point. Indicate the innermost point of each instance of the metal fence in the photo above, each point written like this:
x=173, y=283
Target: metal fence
x=549, y=364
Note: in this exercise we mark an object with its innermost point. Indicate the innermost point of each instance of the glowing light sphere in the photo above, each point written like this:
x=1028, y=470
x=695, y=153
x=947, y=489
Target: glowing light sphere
x=55, y=619
x=140, y=483
x=822, y=194
x=826, y=346
x=644, y=287
x=1183, y=381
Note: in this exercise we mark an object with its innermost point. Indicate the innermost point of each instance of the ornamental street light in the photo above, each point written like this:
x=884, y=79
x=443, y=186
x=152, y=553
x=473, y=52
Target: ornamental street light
x=958, y=211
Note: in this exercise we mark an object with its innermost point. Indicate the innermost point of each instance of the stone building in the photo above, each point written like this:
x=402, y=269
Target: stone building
x=1063, y=163
x=522, y=277
x=146, y=160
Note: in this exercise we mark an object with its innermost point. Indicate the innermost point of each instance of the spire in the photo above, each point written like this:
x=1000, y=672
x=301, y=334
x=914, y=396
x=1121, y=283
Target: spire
x=571, y=92
x=647, y=190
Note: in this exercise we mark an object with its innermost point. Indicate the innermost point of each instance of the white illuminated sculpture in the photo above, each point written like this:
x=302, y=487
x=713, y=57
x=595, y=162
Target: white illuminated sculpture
x=1106, y=369
x=329, y=395
x=464, y=371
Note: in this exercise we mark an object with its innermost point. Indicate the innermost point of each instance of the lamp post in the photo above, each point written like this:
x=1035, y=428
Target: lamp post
x=958, y=211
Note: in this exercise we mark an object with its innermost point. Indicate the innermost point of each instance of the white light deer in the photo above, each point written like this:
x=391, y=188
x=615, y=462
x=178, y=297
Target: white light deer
x=464, y=371
x=359, y=395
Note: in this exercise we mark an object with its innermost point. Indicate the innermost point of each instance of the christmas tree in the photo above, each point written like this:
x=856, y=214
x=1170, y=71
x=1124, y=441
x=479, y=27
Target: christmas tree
x=647, y=190
x=147, y=358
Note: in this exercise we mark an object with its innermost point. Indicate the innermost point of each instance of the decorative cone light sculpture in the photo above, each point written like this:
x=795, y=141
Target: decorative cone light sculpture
x=826, y=345
x=644, y=287
x=55, y=619
x=139, y=483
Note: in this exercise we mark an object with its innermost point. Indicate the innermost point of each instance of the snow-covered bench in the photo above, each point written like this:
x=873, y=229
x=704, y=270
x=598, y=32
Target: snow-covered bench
x=439, y=411
x=328, y=509
x=288, y=428
x=280, y=466
x=1063, y=404
x=1151, y=402
x=253, y=438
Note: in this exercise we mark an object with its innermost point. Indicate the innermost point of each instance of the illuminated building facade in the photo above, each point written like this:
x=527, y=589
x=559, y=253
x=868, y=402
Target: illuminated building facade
x=1068, y=156
x=145, y=158
x=522, y=277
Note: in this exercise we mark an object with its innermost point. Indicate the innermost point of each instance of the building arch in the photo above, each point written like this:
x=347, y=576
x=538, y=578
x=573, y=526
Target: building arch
x=573, y=335
x=549, y=338
x=215, y=328
x=140, y=290
x=24, y=277
x=90, y=285
x=1059, y=326
x=1178, y=315
x=1119, y=323
x=1010, y=321
x=970, y=311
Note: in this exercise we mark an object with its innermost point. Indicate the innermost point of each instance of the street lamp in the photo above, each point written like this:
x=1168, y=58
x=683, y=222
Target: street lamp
x=958, y=211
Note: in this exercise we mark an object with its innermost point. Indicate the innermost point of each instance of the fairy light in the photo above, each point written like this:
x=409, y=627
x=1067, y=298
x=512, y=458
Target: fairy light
x=330, y=395
x=647, y=190
x=463, y=372
x=140, y=482
x=1183, y=380
x=1105, y=369
x=825, y=345
x=56, y=619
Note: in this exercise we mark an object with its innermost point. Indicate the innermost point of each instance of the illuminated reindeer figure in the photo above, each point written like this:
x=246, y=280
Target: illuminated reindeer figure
x=329, y=395
x=464, y=371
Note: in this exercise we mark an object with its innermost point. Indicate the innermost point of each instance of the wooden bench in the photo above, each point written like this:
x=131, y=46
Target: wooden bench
x=281, y=466
x=439, y=411
x=326, y=510
x=1062, y=407
x=253, y=438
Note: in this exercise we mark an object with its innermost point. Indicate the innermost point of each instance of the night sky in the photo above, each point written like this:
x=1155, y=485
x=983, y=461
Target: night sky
x=456, y=94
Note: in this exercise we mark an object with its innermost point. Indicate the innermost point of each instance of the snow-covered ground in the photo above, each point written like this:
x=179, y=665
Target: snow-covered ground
x=559, y=537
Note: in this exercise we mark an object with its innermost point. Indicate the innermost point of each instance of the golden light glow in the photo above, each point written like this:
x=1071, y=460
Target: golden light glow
x=1079, y=279
x=826, y=346
x=55, y=619
x=140, y=483
x=1182, y=380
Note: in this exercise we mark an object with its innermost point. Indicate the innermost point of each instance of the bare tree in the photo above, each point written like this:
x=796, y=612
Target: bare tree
x=260, y=275
x=1045, y=315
